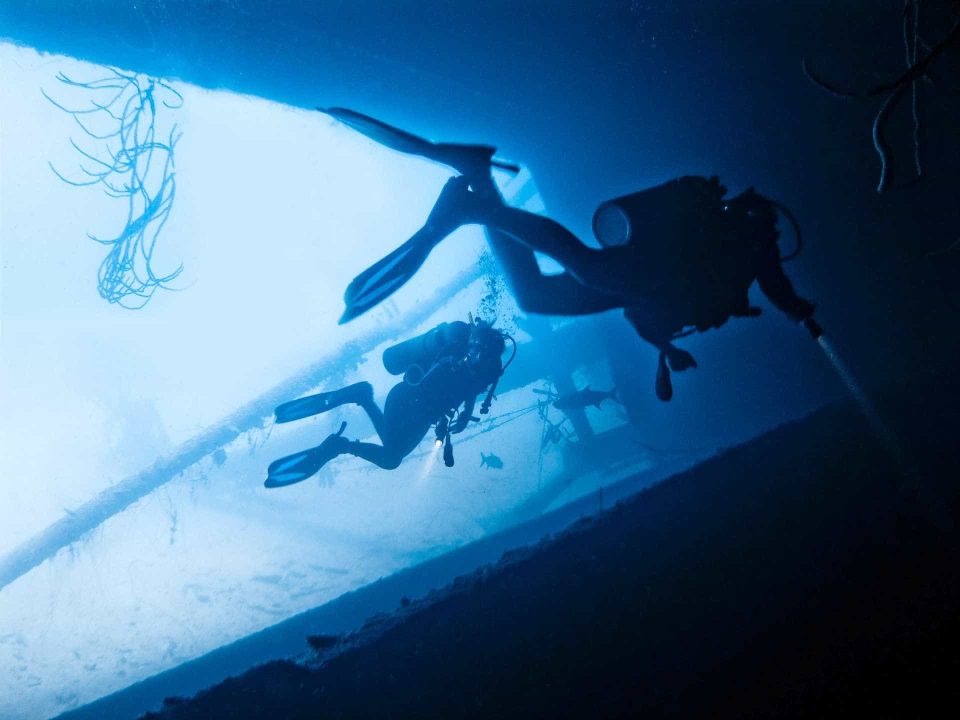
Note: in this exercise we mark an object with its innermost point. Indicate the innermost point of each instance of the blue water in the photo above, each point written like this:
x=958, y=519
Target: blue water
x=135, y=532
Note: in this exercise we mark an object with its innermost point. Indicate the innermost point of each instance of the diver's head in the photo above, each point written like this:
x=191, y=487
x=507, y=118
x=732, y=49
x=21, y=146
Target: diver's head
x=486, y=343
x=754, y=213
x=484, y=352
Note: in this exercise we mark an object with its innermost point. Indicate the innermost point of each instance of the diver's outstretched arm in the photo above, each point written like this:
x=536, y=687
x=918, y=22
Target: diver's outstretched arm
x=775, y=284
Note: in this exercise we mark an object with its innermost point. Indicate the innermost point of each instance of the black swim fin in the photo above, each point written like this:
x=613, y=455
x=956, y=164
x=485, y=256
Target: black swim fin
x=379, y=131
x=321, y=402
x=465, y=159
x=298, y=467
x=386, y=276
x=301, y=408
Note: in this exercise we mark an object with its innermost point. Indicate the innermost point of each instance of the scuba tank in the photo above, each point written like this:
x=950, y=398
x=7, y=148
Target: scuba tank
x=679, y=209
x=423, y=350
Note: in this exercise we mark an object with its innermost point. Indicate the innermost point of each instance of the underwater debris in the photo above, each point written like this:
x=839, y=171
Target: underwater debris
x=892, y=91
x=130, y=163
x=552, y=433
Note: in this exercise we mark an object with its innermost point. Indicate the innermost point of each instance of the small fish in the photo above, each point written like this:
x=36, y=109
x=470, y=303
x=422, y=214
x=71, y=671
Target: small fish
x=491, y=461
x=585, y=397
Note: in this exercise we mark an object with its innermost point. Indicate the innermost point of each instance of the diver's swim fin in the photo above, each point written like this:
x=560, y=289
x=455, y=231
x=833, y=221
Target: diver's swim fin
x=384, y=277
x=465, y=159
x=302, y=407
x=381, y=132
x=298, y=467
x=321, y=402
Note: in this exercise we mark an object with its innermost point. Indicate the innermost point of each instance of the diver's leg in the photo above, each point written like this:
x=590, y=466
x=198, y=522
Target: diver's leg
x=387, y=456
x=374, y=413
x=560, y=294
x=402, y=425
x=595, y=268
x=538, y=233
x=535, y=292
x=376, y=454
x=456, y=206
x=485, y=206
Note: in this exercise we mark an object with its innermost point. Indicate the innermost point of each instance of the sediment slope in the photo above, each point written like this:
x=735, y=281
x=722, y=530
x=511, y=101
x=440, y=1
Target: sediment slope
x=800, y=574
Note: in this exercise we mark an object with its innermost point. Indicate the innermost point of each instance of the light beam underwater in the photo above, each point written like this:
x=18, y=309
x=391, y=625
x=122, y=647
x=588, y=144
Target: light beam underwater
x=879, y=426
x=430, y=460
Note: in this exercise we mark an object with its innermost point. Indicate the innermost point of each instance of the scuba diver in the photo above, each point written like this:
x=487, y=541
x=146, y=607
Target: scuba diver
x=677, y=258
x=444, y=370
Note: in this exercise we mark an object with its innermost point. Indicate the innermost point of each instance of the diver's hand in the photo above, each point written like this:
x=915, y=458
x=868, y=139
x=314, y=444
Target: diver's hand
x=464, y=416
x=813, y=327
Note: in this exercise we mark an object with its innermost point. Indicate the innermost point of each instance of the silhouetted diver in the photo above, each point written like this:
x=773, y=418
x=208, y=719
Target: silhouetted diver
x=675, y=256
x=444, y=371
